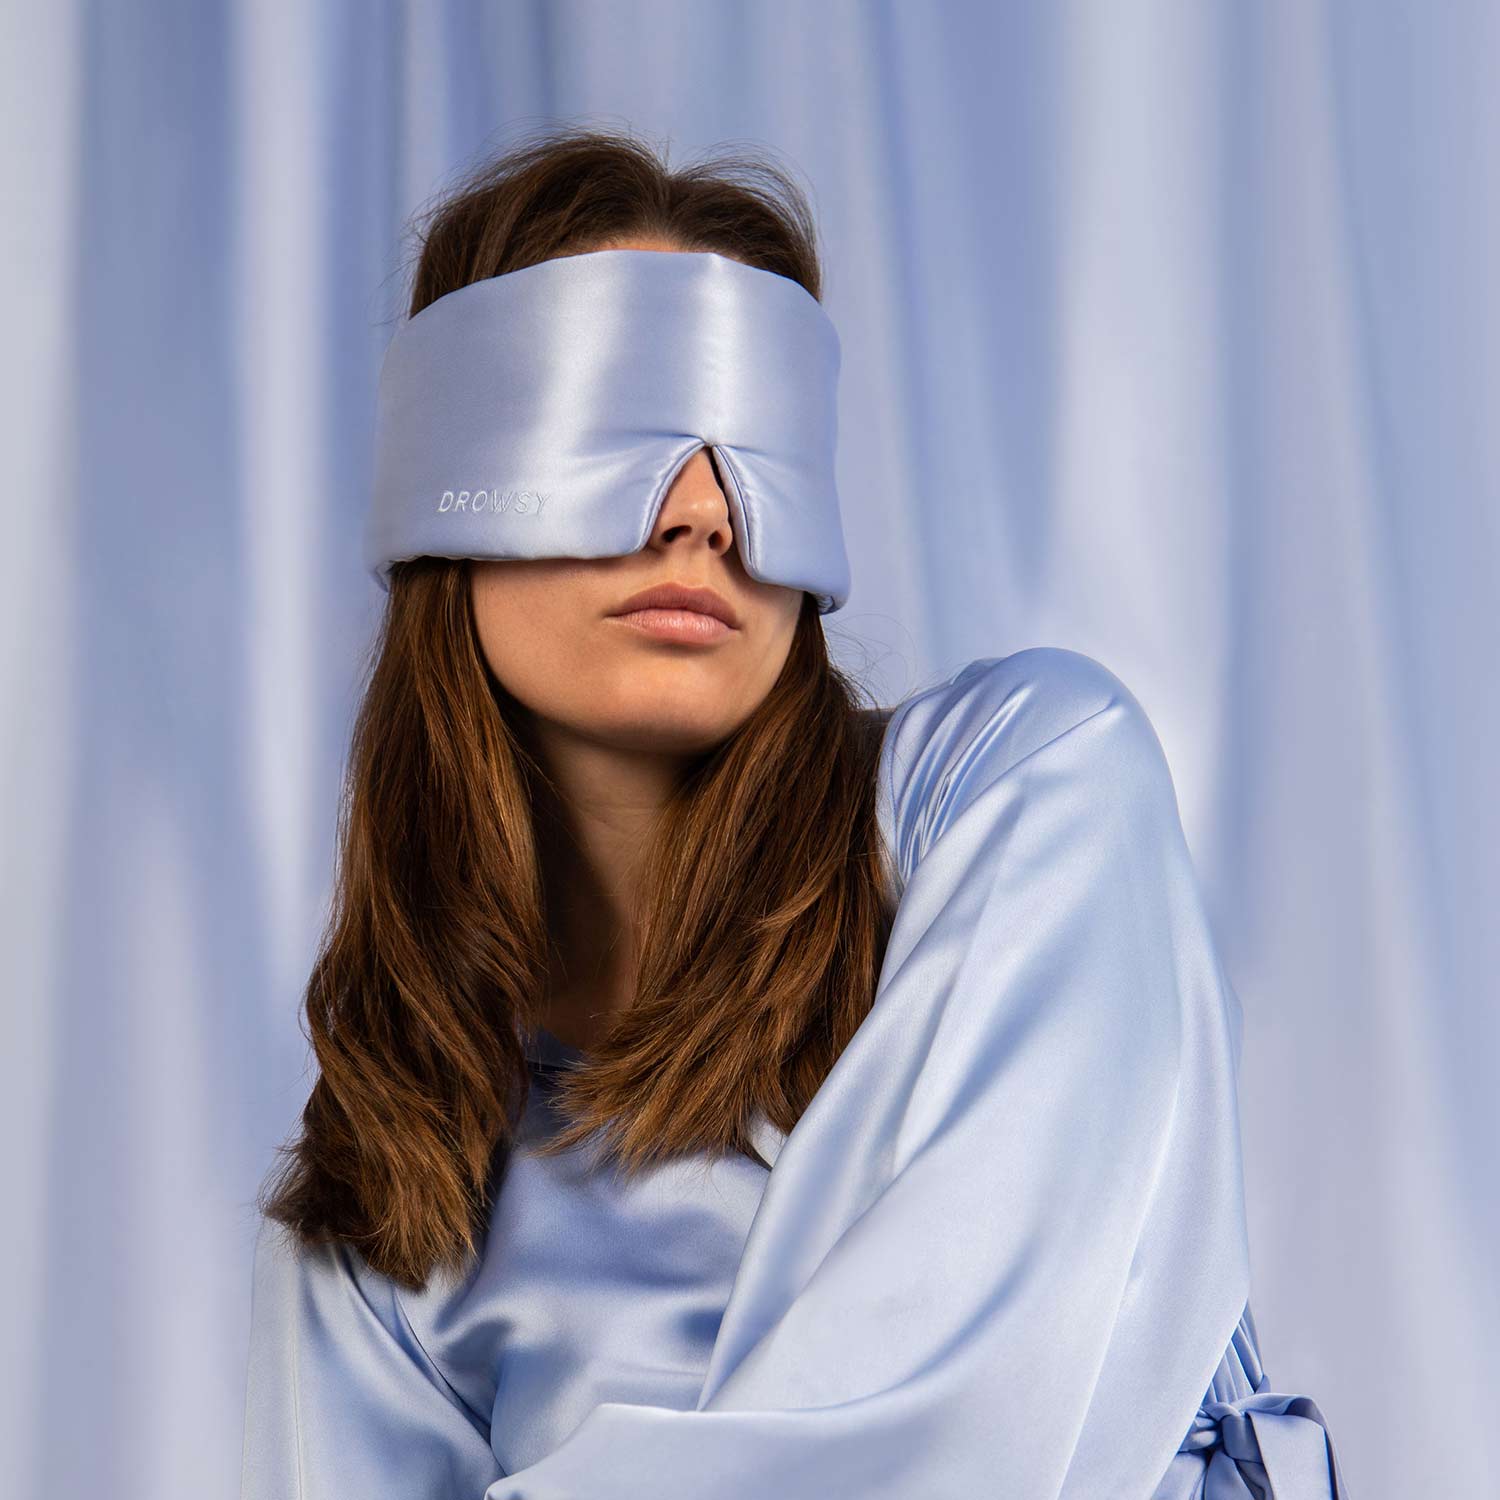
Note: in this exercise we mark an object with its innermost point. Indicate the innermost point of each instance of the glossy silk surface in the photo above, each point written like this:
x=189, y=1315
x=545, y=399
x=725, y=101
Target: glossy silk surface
x=1002, y=1253
x=545, y=413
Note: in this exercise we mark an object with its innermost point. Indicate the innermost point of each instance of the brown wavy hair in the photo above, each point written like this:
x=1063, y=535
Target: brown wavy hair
x=766, y=898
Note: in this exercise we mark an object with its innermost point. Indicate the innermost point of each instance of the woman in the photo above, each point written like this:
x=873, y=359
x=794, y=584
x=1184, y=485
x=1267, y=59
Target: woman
x=727, y=1089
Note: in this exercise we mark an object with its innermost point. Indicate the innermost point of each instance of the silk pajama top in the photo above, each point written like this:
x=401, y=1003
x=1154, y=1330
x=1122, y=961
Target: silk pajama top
x=1003, y=1252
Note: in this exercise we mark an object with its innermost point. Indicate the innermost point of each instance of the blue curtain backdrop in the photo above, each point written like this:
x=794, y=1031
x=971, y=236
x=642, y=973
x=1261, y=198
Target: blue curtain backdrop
x=1170, y=335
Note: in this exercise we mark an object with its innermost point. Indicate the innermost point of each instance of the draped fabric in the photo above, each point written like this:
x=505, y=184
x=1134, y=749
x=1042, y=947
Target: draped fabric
x=1002, y=1252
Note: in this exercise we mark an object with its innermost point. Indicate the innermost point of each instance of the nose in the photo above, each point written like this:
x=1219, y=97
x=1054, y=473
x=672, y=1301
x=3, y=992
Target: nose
x=694, y=512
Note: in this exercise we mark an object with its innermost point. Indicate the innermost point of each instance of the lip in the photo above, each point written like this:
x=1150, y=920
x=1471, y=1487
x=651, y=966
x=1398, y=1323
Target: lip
x=679, y=599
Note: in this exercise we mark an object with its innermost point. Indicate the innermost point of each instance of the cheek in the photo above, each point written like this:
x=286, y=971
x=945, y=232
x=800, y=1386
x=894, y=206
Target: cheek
x=529, y=637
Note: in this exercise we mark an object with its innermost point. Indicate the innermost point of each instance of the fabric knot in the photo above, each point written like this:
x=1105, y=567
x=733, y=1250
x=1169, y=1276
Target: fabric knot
x=1265, y=1446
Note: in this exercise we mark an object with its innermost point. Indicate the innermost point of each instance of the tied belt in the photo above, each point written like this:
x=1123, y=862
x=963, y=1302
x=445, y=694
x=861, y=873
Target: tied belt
x=1264, y=1447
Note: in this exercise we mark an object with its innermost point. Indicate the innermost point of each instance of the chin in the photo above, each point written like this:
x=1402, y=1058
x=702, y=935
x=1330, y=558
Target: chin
x=685, y=723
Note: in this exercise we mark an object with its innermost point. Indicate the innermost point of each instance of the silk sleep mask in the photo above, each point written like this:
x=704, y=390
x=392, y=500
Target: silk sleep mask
x=545, y=413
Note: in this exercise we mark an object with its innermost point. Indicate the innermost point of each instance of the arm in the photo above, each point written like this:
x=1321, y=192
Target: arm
x=342, y=1402
x=1003, y=1251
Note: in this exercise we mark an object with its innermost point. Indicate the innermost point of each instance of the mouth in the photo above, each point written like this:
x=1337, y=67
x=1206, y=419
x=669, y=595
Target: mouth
x=678, y=612
x=685, y=626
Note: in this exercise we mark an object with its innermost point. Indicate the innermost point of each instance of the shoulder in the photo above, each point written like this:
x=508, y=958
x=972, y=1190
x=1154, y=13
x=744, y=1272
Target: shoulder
x=992, y=718
x=322, y=1275
x=1012, y=706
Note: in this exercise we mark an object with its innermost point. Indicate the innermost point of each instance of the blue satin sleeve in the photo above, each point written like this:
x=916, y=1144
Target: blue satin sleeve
x=1004, y=1251
x=342, y=1402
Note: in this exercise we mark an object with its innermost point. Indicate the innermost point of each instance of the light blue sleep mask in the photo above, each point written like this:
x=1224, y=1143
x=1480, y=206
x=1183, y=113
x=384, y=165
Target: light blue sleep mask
x=546, y=412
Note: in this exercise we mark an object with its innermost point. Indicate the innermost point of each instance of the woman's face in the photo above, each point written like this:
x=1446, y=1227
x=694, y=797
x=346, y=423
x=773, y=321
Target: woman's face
x=553, y=632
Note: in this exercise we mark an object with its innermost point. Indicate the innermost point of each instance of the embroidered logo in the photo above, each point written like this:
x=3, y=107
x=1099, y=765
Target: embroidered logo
x=520, y=502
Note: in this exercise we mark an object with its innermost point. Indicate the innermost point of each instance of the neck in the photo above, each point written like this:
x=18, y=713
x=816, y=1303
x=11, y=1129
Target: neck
x=597, y=820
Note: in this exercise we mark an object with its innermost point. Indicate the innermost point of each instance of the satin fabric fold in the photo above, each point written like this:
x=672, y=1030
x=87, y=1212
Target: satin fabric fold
x=1003, y=1252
